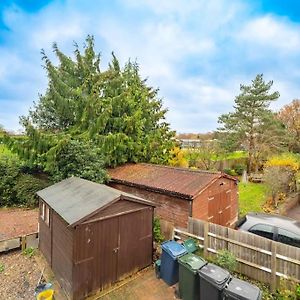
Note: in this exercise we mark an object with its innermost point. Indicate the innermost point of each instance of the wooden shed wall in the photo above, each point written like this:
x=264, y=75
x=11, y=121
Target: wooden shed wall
x=62, y=252
x=218, y=203
x=122, y=206
x=45, y=236
x=107, y=249
x=170, y=208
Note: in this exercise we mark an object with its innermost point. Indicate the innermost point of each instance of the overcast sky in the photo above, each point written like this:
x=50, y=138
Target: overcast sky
x=196, y=52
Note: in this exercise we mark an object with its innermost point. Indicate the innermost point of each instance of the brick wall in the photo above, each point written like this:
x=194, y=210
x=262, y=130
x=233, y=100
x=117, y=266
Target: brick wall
x=172, y=209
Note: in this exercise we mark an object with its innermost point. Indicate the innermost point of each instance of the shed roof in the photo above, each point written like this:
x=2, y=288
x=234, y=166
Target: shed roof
x=181, y=182
x=74, y=198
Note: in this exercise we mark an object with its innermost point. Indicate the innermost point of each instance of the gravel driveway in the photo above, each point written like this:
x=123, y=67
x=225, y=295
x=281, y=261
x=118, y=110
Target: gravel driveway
x=17, y=222
x=19, y=275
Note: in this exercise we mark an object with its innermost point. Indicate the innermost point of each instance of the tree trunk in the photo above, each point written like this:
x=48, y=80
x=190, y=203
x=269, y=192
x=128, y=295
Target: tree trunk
x=250, y=157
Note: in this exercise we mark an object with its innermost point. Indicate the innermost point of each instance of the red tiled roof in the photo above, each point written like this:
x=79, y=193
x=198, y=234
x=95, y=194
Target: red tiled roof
x=183, y=182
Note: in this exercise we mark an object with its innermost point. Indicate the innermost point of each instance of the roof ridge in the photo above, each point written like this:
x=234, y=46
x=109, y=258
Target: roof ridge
x=183, y=169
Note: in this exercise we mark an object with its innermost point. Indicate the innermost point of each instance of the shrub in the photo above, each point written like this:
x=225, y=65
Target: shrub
x=227, y=260
x=298, y=291
x=158, y=236
x=26, y=187
x=178, y=158
x=76, y=158
x=287, y=160
x=30, y=252
x=230, y=172
x=2, y=267
x=288, y=290
x=9, y=172
x=239, y=169
x=17, y=188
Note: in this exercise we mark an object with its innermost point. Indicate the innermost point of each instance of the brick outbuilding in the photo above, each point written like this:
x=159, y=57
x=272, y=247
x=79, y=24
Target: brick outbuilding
x=180, y=192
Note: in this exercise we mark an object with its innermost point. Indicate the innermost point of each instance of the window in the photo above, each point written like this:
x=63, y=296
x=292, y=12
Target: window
x=42, y=213
x=263, y=230
x=287, y=237
x=45, y=213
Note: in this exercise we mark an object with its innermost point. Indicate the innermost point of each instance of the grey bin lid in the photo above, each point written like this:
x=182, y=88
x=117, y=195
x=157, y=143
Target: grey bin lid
x=240, y=289
x=214, y=274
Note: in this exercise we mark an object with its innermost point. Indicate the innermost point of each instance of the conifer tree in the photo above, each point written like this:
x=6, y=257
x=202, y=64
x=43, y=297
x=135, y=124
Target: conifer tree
x=252, y=122
x=115, y=110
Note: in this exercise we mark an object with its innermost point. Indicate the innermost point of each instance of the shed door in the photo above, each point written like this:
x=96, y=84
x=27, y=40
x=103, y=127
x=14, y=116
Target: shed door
x=108, y=247
x=214, y=208
x=219, y=206
x=135, y=251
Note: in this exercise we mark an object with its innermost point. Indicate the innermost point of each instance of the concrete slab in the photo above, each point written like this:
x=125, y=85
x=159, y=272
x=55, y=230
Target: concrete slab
x=145, y=286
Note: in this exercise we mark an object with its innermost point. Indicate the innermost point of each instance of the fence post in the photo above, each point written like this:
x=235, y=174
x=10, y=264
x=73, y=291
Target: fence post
x=23, y=242
x=273, y=266
x=205, y=236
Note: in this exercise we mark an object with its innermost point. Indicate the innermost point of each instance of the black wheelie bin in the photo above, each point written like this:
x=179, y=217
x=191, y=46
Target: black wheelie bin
x=213, y=280
x=241, y=290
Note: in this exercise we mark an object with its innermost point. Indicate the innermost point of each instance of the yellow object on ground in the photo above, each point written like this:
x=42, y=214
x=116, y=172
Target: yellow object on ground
x=45, y=295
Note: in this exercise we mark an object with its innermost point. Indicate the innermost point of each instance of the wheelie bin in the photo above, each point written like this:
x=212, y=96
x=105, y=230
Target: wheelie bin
x=241, y=290
x=212, y=282
x=190, y=245
x=189, y=265
x=171, y=250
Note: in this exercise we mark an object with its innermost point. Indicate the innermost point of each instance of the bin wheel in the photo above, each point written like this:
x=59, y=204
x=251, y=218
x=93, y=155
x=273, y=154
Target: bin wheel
x=177, y=292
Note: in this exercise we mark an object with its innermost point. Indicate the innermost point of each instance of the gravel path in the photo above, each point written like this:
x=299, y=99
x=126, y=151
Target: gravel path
x=19, y=275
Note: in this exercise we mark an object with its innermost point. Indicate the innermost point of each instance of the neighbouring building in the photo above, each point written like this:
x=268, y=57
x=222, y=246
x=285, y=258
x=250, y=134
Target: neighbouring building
x=180, y=192
x=93, y=235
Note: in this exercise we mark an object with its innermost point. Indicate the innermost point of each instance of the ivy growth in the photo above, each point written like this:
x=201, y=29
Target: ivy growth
x=158, y=236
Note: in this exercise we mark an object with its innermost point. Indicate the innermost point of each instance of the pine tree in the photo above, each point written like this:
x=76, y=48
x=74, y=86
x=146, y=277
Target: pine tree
x=252, y=121
x=113, y=109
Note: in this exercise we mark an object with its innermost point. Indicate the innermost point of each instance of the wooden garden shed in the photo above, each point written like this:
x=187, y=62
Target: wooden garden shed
x=93, y=235
x=181, y=192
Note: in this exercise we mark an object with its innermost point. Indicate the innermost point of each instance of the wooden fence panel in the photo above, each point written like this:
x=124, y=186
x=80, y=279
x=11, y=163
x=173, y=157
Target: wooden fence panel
x=22, y=242
x=259, y=258
x=256, y=259
x=32, y=240
x=287, y=258
x=6, y=245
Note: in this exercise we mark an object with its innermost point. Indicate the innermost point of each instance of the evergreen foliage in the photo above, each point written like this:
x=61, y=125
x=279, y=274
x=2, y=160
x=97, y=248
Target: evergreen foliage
x=77, y=158
x=9, y=172
x=85, y=109
x=16, y=187
x=252, y=124
x=26, y=187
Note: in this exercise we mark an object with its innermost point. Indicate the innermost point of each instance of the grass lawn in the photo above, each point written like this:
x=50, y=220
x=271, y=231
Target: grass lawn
x=251, y=197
